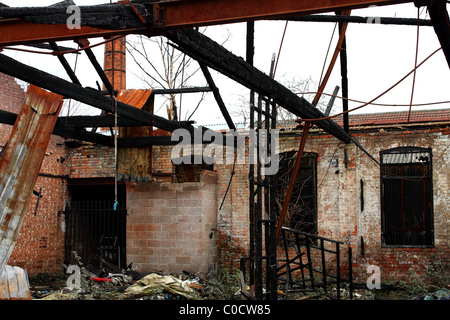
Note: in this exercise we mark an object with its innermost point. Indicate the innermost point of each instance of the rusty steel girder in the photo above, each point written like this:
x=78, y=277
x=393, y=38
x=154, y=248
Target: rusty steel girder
x=21, y=162
x=171, y=15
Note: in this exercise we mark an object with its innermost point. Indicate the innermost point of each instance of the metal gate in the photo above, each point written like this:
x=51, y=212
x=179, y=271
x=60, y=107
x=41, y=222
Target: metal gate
x=96, y=233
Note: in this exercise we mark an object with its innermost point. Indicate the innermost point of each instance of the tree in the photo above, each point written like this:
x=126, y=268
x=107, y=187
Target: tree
x=163, y=66
x=286, y=120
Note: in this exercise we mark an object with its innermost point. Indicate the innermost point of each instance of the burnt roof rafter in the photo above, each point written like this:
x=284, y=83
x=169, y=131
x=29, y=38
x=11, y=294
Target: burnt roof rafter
x=88, y=96
x=158, y=18
x=211, y=54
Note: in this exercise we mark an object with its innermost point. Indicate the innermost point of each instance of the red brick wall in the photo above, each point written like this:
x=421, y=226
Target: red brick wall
x=172, y=227
x=91, y=161
x=339, y=211
x=40, y=245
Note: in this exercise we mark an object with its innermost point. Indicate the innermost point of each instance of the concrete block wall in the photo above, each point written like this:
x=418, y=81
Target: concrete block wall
x=172, y=227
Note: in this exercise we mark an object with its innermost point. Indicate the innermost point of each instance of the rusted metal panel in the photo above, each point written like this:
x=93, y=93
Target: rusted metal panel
x=202, y=13
x=21, y=162
x=135, y=164
x=14, y=284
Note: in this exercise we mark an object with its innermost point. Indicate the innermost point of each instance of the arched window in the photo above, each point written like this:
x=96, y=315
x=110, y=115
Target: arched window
x=406, y=197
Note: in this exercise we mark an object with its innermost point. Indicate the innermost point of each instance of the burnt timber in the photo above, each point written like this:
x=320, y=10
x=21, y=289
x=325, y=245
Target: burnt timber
x=173, y=20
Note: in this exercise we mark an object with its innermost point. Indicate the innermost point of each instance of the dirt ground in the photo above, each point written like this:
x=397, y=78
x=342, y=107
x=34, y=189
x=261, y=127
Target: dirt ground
x=49, y=287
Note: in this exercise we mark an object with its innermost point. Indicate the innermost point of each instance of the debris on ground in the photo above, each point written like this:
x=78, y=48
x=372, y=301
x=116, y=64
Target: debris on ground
x=441, y=294
x=14, y=284
x=155, y=284
x=111, y=283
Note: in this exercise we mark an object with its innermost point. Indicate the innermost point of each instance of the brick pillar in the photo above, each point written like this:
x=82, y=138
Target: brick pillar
x=115, y=52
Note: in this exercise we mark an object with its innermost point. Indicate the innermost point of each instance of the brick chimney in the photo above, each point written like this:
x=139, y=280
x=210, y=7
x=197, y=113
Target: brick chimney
x=115, y=51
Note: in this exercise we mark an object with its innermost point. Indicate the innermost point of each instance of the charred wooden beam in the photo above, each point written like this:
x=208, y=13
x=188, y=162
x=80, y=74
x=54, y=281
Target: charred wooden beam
x=91, y=56
x=85, y=95
x=49, y=24
x=62, y=130
x=100, y=121
x=210, y=53
x=105, y=16
x=184, y=90
x=167, y=141
x=359, y=19
x=344, y=79
x=7, y=117
x=83, y=135
x=65, y=64
x=441, y=23
x=217, y=96
x=46, y=46
x=71, y=127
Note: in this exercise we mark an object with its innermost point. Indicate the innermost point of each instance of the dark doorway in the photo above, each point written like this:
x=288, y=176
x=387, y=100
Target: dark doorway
x=95, y=227
x=302, y=213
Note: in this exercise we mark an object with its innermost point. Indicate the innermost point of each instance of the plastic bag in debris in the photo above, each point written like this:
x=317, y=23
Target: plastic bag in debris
x=442, y=294
x=153, y=283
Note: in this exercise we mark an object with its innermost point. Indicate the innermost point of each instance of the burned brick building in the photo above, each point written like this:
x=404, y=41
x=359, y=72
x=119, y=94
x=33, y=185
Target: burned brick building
x=170, y=225
x=350, y=192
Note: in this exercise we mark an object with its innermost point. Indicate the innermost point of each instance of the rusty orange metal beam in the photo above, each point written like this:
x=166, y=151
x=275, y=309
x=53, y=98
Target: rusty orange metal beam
x=19, y=31
x=21, y=162
x=295, y=170
x=182, y=14
x=307, y=126
x=193, y=13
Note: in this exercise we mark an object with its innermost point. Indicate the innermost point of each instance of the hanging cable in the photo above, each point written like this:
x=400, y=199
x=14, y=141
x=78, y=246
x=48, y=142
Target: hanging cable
x=375, y=103
x=181, y=91
x=415, y=63
x=279, y=50
x=60, y=53
x=116, y=202
x=328, y=51
x=380, y=95
x=74, y=71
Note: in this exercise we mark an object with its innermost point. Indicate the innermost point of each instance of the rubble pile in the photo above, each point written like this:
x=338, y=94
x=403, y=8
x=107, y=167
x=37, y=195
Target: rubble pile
x=114, y=284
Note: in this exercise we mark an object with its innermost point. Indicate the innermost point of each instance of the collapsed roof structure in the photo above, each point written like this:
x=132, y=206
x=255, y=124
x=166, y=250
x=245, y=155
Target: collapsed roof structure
x=175, y=20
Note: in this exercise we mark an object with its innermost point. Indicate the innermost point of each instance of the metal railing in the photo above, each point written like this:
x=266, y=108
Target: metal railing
x=308, y=256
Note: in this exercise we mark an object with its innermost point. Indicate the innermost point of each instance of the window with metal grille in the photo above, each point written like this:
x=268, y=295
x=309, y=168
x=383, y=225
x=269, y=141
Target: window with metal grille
x=407, y=197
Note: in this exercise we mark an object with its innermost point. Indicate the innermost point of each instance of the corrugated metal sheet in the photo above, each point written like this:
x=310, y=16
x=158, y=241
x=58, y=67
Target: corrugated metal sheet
x=139, y=98
x=135, y=164
x=21, y=162
x=14, y=284
x=404, y=158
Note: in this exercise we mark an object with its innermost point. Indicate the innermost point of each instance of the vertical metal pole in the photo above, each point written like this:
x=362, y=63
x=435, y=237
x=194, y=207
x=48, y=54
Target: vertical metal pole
x=308, y=253
x=344, y=80
x=286, y=252
x=258, y=211
x=350, y=272
x=302, y=266
x=67, y=217
x=273, y=212
x=251, y=174
x=338, y=271
x=324, y=274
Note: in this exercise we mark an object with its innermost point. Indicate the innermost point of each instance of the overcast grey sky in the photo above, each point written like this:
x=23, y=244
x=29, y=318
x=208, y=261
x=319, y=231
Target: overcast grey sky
x=378, y=56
